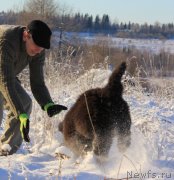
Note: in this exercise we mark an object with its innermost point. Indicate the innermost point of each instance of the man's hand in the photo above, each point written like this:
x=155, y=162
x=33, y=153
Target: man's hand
x=24, y=126
x=53, y=109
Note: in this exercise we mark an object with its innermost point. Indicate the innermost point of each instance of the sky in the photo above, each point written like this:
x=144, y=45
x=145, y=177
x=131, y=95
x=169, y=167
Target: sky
x=137, y=11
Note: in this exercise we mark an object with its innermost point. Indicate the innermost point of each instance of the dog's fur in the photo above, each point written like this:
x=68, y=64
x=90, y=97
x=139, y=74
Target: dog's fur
x=96, y=117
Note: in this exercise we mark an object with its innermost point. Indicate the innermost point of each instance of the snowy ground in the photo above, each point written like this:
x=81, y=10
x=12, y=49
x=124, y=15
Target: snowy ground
x=150, y=156
x=150, y=45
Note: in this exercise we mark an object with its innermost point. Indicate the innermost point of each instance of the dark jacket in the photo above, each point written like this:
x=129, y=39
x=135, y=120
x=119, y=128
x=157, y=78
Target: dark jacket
x=13, y=59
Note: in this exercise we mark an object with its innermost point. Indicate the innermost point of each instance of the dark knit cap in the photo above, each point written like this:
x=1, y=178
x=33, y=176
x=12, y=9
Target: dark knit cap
x=40, y=32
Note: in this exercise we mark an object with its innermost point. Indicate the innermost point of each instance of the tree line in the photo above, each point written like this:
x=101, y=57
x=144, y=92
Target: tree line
x=88, y=23
x=60, y=19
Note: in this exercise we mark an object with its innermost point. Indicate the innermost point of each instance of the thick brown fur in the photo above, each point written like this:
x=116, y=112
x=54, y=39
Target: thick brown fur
x=97, y=116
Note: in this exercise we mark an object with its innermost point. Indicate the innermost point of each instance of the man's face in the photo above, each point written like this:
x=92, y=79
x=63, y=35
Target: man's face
x=31, y=48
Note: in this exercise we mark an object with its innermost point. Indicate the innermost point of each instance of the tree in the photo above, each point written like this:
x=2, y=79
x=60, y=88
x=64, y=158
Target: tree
x=44, y=9
x=90, y=23
x=97, y=23
x=105, y=23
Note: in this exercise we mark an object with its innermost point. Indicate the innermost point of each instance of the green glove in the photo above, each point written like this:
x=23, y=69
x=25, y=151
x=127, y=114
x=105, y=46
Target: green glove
x=53, y=109
x=24, y=126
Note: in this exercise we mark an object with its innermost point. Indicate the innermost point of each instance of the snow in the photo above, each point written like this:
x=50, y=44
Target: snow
x=6, y=147
x=147, y=45
x=150, y=156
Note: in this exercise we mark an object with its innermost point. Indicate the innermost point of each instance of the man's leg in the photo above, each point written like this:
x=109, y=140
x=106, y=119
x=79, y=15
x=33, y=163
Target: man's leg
x=12, y=135
x=1, y=108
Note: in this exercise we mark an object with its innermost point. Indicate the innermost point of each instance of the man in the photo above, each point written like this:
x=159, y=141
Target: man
x=21, y=46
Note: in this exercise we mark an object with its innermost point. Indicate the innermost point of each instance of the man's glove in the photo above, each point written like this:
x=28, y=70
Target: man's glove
x=24, y=126
x=53, y=109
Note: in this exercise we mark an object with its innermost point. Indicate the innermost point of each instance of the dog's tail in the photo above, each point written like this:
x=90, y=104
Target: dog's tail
x=114, y=85
x=117, y=73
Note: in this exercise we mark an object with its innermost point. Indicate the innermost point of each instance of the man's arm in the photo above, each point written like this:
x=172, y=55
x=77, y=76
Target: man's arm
x=38, y=86
x=7, y=78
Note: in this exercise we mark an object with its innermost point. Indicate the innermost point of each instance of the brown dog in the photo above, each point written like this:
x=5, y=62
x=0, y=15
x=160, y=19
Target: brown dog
x=97, y=116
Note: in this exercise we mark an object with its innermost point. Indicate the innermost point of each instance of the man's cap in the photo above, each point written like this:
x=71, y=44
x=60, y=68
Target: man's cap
x=40, y=32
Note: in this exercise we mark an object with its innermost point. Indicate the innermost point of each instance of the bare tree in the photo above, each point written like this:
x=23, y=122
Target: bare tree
x=44, y=9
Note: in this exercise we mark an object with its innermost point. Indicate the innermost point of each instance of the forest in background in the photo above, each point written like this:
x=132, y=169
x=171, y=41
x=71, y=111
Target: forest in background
x=61, y=17
x=75, y=54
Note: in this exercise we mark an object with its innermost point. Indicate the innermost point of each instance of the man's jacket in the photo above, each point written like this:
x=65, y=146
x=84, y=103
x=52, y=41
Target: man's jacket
x=13, y=59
